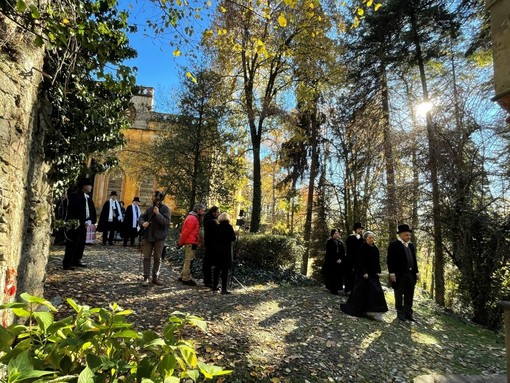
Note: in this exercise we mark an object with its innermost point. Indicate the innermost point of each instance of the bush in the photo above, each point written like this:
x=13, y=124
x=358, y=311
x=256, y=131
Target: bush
x=95, y=345
x=268, y=251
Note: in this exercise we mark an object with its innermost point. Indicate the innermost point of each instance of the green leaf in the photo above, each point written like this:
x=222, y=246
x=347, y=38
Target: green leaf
x=171, y=379
x=93, y=361
x=21, y=368
x=21, y=6
x=193, y=374
x=12, y=305
x=188, y=354
x=44, y=319
x=130, y=334
x=6, y=339
x=21, y=312
x=210, y=370
x=86, y=376
x=32, y=299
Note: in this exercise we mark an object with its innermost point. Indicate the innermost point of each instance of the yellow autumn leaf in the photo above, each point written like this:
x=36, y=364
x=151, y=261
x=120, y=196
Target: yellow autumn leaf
x=360, y=12
x=208, y=34
x=369, y=3
x=355, y=23
x=177, y=53
x=65, y=21
x=223, y=9
x=191, y=77
x=377, y=6
x=275, y=380
x=282, y=21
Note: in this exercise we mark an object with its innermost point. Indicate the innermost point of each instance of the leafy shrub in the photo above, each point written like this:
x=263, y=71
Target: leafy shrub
x=268, y=251
x=95, y=345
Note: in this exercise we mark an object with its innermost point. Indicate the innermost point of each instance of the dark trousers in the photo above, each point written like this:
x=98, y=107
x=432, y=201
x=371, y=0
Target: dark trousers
x=404, y=294
x=109, y=233
x=152, y=250
x=349, y=275
x=131, y=235
x=207, y=268
x=224, y=277
x=75, y=245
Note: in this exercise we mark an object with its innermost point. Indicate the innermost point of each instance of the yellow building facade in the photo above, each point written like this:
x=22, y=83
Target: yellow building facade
x=127, y=179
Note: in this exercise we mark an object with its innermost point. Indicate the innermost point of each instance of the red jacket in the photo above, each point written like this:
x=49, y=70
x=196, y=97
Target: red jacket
x=190, y=232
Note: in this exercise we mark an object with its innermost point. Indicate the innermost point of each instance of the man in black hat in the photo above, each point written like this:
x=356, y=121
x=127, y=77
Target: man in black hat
x=352, y=244
x=110, y=218
x=80, y=208
x=403, y=269
x=131, y=221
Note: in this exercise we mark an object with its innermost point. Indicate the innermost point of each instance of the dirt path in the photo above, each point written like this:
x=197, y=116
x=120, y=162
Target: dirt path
x=270, y=333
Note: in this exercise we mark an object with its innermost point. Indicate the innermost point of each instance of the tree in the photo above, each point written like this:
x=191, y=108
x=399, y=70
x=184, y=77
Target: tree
x=192, y=158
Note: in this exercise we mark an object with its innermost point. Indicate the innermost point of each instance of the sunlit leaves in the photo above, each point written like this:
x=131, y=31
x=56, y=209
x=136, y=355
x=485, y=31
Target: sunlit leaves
x=282, y=21
x=176, y=53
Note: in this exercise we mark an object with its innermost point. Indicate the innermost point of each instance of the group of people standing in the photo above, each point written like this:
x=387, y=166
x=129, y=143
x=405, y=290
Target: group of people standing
x=356, y=270
x=152, y=226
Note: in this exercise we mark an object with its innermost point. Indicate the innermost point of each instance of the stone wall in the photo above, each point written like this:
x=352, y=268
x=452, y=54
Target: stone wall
x=25, y=196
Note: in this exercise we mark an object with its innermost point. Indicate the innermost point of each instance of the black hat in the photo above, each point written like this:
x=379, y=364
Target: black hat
x=84, y=181
x=404, y=229
x=357, y=225
x=136, y=199
x=113, y=193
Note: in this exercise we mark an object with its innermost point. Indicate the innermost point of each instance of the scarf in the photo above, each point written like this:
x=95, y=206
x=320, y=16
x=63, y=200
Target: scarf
x=110, y=213
x=136, y=214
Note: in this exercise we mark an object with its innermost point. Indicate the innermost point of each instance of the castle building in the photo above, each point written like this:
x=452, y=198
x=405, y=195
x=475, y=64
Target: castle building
x=128, y=178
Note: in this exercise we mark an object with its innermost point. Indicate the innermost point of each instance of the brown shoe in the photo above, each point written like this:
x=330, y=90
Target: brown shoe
x=157, y=282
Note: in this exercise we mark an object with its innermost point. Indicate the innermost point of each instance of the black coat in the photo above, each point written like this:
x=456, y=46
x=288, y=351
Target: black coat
x=397, y=261
x=210, y=227
x=128, y=218
x=367, y=294
x=332, y=270
x=103, y=224
x=223, y=240
x=76, y=208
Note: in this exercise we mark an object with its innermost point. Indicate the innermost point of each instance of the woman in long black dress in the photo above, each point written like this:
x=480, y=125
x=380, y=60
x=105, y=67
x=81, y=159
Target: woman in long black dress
x=332, y=270
x=224, y=237
x=367, y=296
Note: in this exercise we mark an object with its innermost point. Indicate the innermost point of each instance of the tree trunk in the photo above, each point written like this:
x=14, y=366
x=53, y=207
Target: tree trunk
x=311, y=189
x=391, y=198
x=433, y=164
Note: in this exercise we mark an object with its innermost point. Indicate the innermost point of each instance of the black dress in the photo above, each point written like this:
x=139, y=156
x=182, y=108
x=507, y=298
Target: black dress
x=367, y=294
x=224, y=237
x=333, y=271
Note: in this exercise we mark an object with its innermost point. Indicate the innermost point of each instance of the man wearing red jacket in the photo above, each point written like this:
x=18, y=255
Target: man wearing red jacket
x=190, y=239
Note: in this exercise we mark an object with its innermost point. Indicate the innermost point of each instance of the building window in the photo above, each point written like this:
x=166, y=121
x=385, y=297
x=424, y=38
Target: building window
x=115, y=178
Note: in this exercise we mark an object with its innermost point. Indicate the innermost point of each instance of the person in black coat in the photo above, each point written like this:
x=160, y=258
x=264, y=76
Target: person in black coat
x=225, y=237
x=130, y=222
x=403, y=269
x=81, y=208
x=367, y=296
x=210, y=226
x=333, y=268
x=352, y=243
x=110, y=218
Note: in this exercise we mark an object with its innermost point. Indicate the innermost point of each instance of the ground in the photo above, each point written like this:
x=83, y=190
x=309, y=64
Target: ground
x=272, y=333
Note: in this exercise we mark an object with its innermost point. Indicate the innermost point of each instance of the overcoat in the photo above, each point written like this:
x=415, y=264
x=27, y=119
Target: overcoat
x=332, y=270
x=397, y=261
x=225, y=236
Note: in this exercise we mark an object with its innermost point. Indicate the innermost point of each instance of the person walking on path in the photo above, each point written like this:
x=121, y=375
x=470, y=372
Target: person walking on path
x=131, y=222
x=352, y=243
x=225, y=237
x=403, y=269
x=367, y=296
x=110, y=218
x=333, y=267
x=80, y=208
x=190, y=239
x=155, y=223
x=210, y=226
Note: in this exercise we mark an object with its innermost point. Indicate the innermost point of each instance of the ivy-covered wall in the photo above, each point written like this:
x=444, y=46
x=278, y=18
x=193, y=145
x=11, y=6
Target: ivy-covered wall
x=25, y=196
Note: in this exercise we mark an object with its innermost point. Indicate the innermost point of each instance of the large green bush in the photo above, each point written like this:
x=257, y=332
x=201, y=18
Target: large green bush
x=96, y=345
x=268, y=251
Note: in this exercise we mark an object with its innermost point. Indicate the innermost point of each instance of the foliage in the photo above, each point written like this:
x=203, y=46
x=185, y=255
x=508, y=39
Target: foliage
x=268, y=251
x=195, y=159
x=87, y=88
x=96, y=345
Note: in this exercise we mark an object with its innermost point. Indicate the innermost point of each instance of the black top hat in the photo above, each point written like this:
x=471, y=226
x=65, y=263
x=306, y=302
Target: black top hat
x=357, y=225
x=84, y=181
x=404, y=229
x=136, y=199
x=113, y=193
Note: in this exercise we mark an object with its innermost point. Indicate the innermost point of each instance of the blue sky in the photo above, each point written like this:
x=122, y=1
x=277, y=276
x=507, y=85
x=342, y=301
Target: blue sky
x=157, y=66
